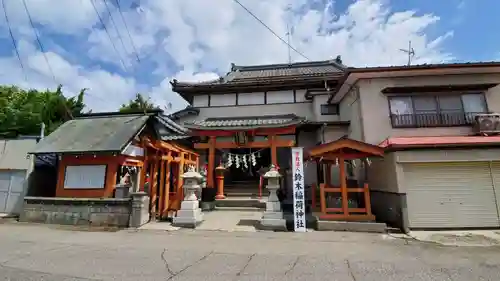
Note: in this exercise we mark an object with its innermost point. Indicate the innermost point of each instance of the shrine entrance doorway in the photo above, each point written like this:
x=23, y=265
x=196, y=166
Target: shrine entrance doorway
x=242, y=177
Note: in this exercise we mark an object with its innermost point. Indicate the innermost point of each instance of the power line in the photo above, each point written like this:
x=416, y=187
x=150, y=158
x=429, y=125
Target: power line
x=115, y=26
x=38, y=40
x=109, y=36
x=128, y=31
x=14, y=41
x=270, y=29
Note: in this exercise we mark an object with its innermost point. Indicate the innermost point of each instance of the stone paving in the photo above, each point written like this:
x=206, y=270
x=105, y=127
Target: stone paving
x=41, y=252
x=234, y=219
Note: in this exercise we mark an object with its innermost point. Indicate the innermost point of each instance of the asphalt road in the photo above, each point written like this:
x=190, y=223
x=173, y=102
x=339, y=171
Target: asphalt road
x=30, y=252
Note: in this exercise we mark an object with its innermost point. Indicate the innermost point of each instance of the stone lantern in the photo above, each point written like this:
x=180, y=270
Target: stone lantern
x=190, y=214
x=273, y=216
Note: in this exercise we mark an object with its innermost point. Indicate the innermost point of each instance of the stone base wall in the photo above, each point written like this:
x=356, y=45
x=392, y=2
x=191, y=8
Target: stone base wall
x=389, y=208
x=77, y=211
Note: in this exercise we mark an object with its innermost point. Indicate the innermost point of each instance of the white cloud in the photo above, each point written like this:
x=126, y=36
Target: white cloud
x=197, y=40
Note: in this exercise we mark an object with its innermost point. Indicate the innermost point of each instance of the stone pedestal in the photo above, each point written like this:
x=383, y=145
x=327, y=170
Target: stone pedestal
x=122, y=191
x=140, y=212
x=273, y=216
x=190, y=214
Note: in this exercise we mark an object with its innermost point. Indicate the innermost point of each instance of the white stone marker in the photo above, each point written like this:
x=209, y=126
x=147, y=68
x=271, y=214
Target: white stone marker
x=273, y=216
x=190, y=214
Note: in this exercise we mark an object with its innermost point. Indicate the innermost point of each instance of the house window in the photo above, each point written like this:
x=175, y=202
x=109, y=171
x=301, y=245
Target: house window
x=85, y=177
x=436, y=111
x=329, y=109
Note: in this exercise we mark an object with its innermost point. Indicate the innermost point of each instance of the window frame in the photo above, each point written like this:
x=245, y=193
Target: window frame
x=436, y=96
x=75, y=168
x=326, y=105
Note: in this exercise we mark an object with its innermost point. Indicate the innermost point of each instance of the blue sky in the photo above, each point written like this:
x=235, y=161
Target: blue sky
x=197, y=40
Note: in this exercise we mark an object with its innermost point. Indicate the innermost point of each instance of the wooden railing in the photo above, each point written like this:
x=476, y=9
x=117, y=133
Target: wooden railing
x=345, y=212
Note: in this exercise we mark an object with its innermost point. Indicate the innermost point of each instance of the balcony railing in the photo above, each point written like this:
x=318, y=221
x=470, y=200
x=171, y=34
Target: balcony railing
x=423, y=120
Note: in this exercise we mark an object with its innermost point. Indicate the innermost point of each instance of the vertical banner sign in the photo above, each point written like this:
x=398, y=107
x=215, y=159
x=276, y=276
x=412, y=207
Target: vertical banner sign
x=299, y=210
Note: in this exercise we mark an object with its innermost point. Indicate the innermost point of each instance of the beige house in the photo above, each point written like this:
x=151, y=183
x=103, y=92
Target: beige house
x=435, y=173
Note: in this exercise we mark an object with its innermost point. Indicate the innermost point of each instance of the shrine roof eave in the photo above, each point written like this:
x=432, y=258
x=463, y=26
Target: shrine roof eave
x=184, y=88
x=346, y=148
x=197, y=128
x=246, y=123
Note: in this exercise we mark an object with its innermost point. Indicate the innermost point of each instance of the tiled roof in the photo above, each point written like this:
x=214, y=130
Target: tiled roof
x=249, y=74
x=245, y=122
x=439, y=141
x=105, y=133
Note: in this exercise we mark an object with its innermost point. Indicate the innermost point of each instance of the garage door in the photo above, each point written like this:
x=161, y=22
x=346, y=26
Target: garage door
x=450, y=195
x=12, y=191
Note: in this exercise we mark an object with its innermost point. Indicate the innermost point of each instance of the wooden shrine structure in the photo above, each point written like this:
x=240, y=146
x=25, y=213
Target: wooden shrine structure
x=97, y=152
x=337, y=153
x=242, y=132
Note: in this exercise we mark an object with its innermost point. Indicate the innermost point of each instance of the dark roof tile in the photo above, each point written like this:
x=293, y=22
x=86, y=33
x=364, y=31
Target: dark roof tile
x=245, y=122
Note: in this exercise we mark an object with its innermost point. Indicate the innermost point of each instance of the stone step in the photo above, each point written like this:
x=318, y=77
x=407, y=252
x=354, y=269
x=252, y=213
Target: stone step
x=240, y=202
x=241, y=209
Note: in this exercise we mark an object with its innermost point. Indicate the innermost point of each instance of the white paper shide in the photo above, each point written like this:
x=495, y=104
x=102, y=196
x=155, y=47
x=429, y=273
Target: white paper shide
x=299, y=210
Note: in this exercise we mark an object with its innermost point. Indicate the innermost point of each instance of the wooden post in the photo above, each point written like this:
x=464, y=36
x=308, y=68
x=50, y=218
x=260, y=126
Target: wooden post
x=368, y=204
x=220, y=182
x=322, y=198
x=179, y=178
x=328, y=174
x=166, y=198
x=153, y=185
x=274, y=153
x=343, y=185
x=161, y=202
x=211, y=162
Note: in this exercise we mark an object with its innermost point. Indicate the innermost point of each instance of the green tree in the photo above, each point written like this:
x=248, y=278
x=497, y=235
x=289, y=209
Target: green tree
x=23, y=111
x=138, y=104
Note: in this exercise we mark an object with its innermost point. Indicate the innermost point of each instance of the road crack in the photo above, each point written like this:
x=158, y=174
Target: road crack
x=246, y=264
x=175, y=273
x=351, y=273
x=167, y=266
x=293, y=265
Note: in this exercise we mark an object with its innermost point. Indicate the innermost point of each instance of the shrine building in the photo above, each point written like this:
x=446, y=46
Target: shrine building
x=251, y=117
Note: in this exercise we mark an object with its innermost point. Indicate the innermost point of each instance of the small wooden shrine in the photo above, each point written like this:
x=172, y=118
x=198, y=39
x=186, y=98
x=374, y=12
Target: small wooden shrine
x=337, y=153
x=97, y=153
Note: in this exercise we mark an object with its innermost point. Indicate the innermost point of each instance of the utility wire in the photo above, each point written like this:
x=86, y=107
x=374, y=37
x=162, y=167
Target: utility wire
x=115, y=26
x=38, y=40
x=109, y=36
x=14, y=41
x=271, y=30
x=128, y=30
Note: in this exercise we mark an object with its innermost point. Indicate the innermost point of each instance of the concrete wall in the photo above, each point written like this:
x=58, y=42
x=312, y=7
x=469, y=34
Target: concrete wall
x=77, y=211
x=254, y=104
x=14, y=154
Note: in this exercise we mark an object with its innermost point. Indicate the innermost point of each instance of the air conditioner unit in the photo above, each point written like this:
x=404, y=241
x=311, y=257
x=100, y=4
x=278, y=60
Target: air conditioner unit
x=487, y=124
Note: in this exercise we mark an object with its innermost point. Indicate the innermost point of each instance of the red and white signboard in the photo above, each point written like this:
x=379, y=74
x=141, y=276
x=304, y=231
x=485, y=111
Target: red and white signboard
x=299, y=202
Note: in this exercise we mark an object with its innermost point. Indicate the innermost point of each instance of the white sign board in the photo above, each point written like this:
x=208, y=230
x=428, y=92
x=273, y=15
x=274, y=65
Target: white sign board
x=299, y=202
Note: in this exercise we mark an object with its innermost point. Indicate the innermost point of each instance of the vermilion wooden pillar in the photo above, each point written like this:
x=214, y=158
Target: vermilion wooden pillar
x=274, y=152
x=220, y=182
x=343, y=186
x=211, y=162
